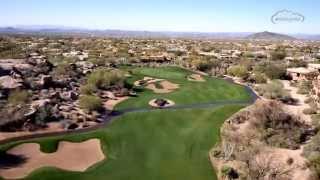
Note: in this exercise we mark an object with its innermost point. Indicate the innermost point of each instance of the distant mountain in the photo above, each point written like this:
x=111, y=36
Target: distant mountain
x=269, y=36
x=47, y=30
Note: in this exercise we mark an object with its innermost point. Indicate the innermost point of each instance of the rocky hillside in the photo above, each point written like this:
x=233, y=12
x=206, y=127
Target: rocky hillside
x=269, y=36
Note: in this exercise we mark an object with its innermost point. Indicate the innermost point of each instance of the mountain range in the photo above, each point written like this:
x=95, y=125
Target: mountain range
x=74, y=31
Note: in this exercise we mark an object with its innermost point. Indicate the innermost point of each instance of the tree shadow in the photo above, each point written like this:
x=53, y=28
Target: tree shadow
x=8, y=161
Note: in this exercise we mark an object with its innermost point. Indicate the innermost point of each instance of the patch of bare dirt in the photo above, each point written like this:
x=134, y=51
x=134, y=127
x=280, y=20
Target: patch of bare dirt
x=69, y=156
x=111, y=103
x=196, y=77
x=300, y=106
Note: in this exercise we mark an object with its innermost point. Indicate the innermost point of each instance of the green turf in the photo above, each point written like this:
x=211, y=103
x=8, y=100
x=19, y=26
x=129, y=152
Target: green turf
x=189, y=92
x=167, y=144
x=157, y=145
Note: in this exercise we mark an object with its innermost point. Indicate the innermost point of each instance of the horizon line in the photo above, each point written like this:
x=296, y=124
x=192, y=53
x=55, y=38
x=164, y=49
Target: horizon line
x=64, y=27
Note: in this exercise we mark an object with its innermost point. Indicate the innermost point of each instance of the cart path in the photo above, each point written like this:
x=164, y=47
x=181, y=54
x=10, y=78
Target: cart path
x=108, y=118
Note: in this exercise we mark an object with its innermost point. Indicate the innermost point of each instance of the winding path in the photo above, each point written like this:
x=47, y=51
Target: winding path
x=114, y=114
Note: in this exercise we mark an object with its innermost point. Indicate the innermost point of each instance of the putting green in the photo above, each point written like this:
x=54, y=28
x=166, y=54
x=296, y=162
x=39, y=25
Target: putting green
x=188, y=93
x=157, y=145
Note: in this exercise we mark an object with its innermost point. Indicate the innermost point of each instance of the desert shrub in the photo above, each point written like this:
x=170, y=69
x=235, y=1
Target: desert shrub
x=309, y=100
x=316, y=121
x=90, y=103
x=88, y=89
x=64, y=69
x=312, y=152
x=98, y=61
x=43, y=115
x=229, y=172
x=238, y=71
x=304, y=87
x=104, y=78
x=275, y=71
x=277, y=127
x=271, y=70
x=297, y=63
x=259, y=78
x=278, y=55
x=310, y=111
x=18, y=97
x=272, y=90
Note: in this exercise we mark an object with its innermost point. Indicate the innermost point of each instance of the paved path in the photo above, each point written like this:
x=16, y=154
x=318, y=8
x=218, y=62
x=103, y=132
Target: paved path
x=115, y=114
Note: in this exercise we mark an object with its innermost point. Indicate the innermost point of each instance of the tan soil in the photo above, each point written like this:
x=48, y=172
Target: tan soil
x=111, y=103
x=69, y=156
x=153, y=104
x=297, y=170
x=196, y=77
x=300, y=106
x=167, y=87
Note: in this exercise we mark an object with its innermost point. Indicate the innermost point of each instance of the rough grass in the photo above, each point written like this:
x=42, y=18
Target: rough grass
x=189, y=92
x=167, y=144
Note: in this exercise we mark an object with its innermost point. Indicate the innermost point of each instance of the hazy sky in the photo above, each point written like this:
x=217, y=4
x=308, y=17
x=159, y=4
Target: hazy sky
x=163, y=15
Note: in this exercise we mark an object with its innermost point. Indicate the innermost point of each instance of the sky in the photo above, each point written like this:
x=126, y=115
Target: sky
x=164, y=15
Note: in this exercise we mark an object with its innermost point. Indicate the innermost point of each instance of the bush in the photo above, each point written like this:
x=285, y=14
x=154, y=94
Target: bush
x=272, y=90
x=104, y=78
x=18, y=97
x=90, y=103
x=259, y=78
x=275, y=71
x=278, y=55
x=271, y=70
x=304, y=87
x=238, y=71
x=312, y=152
x=277, y=127
x=88, y=89
x=229, y=172
x=309, y=100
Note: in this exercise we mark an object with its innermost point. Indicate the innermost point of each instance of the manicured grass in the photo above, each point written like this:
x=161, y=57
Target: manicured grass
x=157, y=145
x=189, y=92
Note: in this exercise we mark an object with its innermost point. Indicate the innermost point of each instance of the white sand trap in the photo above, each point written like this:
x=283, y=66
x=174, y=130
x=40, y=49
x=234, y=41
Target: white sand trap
x=69, y=156
x=196, y=77
x=167, y=87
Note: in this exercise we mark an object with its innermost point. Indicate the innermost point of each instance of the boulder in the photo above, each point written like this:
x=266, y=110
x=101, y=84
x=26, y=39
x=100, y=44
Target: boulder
x=7, y=82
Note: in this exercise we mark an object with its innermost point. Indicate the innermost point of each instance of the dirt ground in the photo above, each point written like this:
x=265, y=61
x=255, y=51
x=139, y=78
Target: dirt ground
x=111, y=103
x=196, y=77
x=301, y=105
x=69, y=156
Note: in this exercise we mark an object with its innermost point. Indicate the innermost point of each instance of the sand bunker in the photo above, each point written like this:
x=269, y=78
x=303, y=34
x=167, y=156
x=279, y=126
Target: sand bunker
x=196, y=77
x=169, y=103
x=146, y=81
x=157, y=85
x=166, y=87
x=69, y=156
